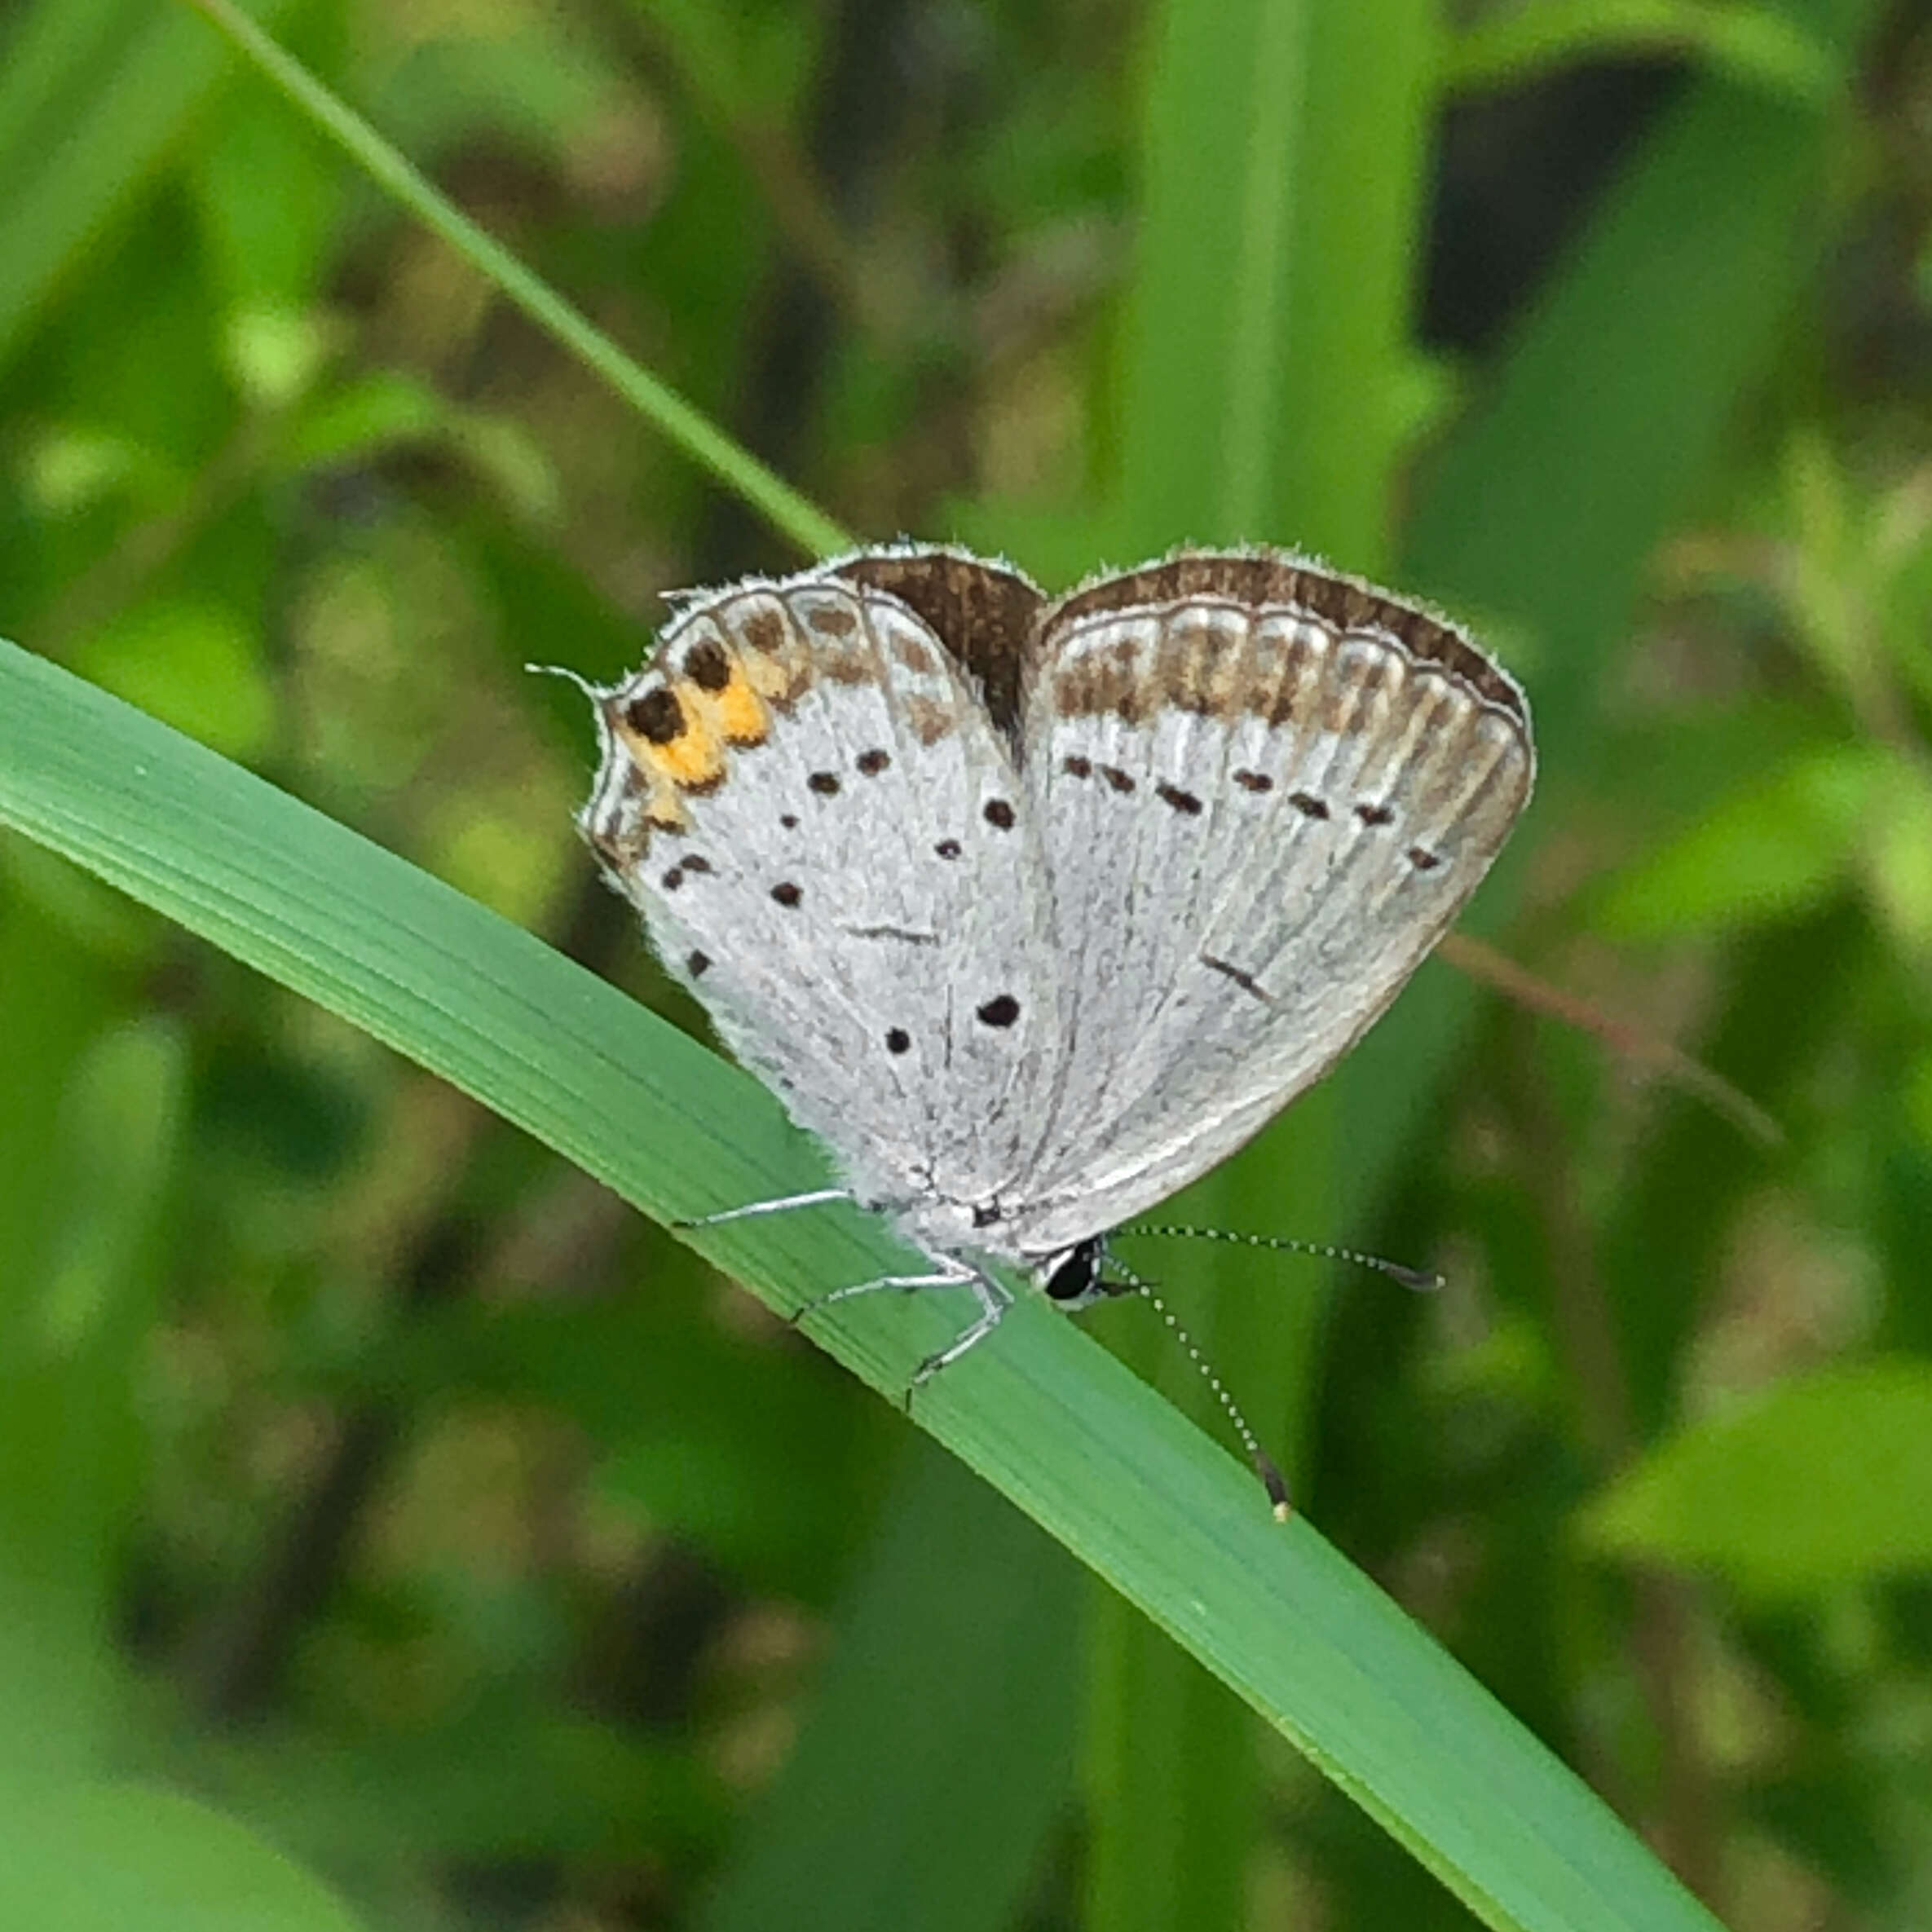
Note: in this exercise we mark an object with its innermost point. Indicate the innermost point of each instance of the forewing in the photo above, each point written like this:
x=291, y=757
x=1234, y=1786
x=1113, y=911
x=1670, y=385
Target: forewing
x=1266, y=791
x=805, y=796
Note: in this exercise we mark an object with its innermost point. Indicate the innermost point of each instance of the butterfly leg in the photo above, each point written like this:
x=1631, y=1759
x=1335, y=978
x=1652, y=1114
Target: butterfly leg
x=994, y=1302
x=955, y=1275
x=817, y=1198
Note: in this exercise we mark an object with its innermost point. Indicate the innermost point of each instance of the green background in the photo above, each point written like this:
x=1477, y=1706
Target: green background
x=399, y=1530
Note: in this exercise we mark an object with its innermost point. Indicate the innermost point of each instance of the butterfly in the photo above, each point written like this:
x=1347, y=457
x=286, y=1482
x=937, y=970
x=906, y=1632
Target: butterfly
x=1036, y=909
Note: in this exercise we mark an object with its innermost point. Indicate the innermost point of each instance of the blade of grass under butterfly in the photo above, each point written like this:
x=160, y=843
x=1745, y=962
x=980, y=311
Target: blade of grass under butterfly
x=1091, y=1454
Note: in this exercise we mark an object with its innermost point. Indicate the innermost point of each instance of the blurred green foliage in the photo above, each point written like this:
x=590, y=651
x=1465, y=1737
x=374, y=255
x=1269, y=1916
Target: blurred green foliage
x=396, y=1531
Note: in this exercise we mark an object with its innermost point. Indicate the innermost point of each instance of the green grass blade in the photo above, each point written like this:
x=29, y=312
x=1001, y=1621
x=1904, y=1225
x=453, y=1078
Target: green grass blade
x=1611, y=400
x=53, y=51
x=1202, y=366
x=675, y=419
x=1283, y=155
x=1068, y=1435
x=1170, y=1763
x=1365, y=157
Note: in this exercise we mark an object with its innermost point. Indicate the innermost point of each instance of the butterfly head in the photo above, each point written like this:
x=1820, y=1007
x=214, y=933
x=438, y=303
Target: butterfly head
x=1072, y=1278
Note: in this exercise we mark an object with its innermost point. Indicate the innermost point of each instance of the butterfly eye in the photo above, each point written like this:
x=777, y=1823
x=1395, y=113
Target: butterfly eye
x=1071, y=1278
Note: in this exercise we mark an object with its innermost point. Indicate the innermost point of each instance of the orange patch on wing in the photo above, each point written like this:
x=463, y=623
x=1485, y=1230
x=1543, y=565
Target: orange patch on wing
x=695, y=756
x=740, y=713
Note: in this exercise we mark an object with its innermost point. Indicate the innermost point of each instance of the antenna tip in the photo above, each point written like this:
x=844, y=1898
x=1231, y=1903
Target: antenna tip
x=1423, y=1281
x=1276, y=1485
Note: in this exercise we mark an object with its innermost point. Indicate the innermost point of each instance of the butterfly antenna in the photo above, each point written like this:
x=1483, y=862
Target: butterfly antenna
x=569, y=676
x=1265, y=1467
x=1422, y=1280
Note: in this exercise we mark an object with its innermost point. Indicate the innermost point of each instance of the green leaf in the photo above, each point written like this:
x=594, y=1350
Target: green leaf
x=1516, y=45
x=1915, y=1091
x=92, y=98
x=368, y=415
x=1816, y=1484
x=1898, y=856
x=359, y=420
x=103, y=1858
x=1769, y=851
x=265, y=250
x=1093, y=1455
x=70, y=468
x=738, y=63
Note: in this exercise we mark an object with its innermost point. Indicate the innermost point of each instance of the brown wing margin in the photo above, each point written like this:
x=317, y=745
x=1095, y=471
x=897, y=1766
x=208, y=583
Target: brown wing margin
x=984, y=614
x=1256, y=579
x=992, y=619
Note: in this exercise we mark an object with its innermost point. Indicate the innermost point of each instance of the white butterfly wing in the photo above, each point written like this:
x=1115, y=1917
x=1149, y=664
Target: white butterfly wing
x=803, y=794
x=1265, y=793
